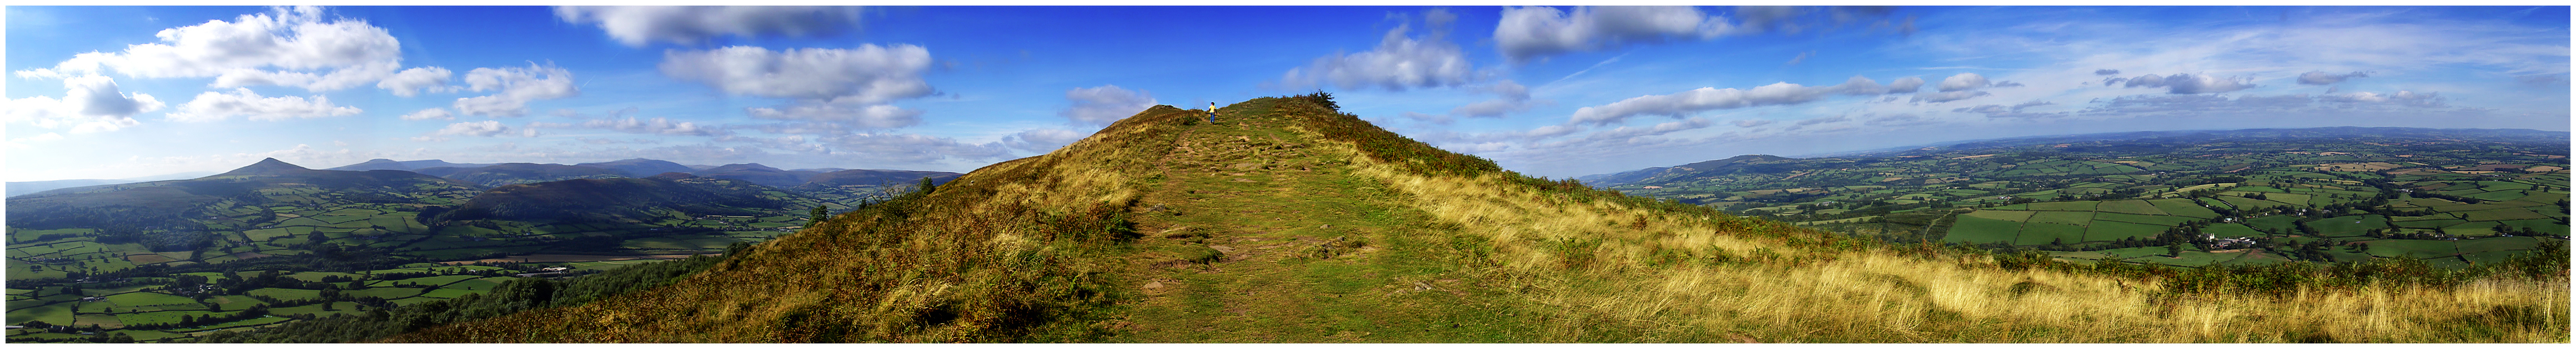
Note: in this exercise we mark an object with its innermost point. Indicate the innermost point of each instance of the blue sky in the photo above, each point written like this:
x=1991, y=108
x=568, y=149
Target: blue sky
x=116, y=92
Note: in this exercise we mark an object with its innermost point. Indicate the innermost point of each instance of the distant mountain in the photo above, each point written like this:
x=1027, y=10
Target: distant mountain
x=239, y=198
x=700, y=167
x=877, y=177
x=822, y=170
x=389, y=164
x=757, y=173
x=639, y=167
x=1739, y=164
x=624, y=200
x=32, y=187
x=519, y=173
x=2199, y=136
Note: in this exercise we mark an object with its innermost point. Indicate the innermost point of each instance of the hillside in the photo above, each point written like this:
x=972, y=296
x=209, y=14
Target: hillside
x=1289, y=222
x=639, y=167
x=2452, y=198
x=496, y=175
x=624, y=200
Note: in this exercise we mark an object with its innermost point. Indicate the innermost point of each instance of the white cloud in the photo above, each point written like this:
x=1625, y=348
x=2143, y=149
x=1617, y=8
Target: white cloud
x=650, y=126
x=1963, y=82
x=430, y=114
x=2194, y=84
x=2405, y=98
x=1512, y=97
x=2320, y=77
x=1702, y=99
x=517, y=87
x=842, y=116
x=411, y=82
x=1397, y=63
x=288, y=46
x=1938, y=97
x=909, y=148
x=1104, y=104
x=2185, y=83
x=1042, y=140
x=641, y=25
x=89, y=104
x=217, y=106
x=1752, y=122
x=1534, y=32
x=868, y=74
x=1905, y=85
x=485, y=128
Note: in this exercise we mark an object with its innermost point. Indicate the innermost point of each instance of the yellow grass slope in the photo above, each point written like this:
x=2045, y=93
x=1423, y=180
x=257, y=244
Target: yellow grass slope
x=1288, y=222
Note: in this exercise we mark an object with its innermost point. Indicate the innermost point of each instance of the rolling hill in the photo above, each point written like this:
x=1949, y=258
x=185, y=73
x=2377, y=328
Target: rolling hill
x=639, y=167
x=1291, y=222
x=495, y=175
x=2450, y=197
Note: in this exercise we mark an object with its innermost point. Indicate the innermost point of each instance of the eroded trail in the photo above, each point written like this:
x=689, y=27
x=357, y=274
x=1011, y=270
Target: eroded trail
x=1254, y=235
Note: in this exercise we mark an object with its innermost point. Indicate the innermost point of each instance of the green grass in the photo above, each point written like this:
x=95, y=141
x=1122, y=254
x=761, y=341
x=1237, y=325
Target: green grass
x=287, y=293
x=2505, y=214
x=148, y=299
x=385, y=292
x=2137, y=207
x=1982, y=230
x=2003, y=215
x=2183, y=207
x=2064, y=206
x=2274, y=223
x=2348, y=225
x=2411, y=248
x=2113, y=231
x=2230, y=230
x=2142, y=219
x=2063, y=217
x=2037, y=233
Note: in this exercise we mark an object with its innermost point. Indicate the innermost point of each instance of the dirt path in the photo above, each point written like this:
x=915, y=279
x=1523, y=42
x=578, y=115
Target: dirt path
x=1308, y=253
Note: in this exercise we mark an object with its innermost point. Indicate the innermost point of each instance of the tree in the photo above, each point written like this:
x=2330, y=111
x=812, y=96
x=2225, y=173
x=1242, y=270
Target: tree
x=819, y=214
x=2174, y=250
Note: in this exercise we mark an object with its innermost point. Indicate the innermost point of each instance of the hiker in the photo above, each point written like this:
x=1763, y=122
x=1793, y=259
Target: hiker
x=1211, y=112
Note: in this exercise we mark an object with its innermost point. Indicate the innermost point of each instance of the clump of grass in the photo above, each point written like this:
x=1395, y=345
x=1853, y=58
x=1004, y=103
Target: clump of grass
x=1335, y=247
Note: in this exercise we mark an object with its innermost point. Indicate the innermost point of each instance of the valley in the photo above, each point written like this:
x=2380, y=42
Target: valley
x=2247, y=197
x=273, y=242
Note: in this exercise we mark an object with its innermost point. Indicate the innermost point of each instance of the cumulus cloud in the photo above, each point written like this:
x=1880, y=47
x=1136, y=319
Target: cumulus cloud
x=2543, y=80
x=2196, y=84
x=1863, y=86
x=868, y=74
x=517, y=87
x=2014, y=111
x=2106, y=72
x=411, y=82
x=1104, y=104
x=1905, y=85
x=840, y=116
x=217, y=106
x=1938, y=97
x=2196, y=104
x=2404, y=98
x=1042, y=140
x=910, y=148
x=89, y=104
x=1534, y=32
x=1963, y=82
x=2321, y=77
x=1399, y=62
x=2185, y=83
x=659, y=126
x=288, y=46
x=1702, y=99
x=642, y=25
x=1511, y=97
x=1897, y=120
x=430, y=114
x=485, y=128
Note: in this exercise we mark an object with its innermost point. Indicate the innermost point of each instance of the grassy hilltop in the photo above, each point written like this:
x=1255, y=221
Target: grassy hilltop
x=1287, y=221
